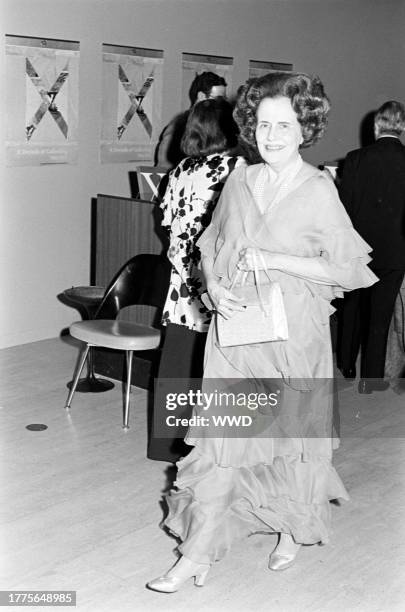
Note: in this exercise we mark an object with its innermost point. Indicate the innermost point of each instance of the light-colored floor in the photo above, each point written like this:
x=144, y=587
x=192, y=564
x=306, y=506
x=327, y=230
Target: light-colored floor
x=81, y=505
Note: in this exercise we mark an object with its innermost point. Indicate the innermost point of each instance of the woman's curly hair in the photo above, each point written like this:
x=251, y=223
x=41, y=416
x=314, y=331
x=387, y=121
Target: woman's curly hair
x=307, y=97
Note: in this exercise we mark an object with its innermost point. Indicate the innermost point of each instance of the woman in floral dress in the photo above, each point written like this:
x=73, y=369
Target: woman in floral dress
x=190, y=198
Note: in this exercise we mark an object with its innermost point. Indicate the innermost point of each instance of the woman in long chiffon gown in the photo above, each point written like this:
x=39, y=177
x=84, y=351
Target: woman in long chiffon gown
x=286, y=214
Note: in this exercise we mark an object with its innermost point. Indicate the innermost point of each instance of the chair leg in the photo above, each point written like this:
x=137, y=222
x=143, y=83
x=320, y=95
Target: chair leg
x=128, y=389
x=77, y=376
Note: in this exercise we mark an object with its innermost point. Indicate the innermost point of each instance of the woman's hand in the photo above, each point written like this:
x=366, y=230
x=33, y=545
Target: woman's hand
x=224, y=301
x=247, y=259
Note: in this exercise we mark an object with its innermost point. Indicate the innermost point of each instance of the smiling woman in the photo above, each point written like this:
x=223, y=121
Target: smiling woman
x=286, y=214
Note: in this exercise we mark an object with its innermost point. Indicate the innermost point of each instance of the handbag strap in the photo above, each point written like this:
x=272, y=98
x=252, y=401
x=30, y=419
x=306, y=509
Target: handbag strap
x=264, y=267
x=241, y=276
x=257, y=281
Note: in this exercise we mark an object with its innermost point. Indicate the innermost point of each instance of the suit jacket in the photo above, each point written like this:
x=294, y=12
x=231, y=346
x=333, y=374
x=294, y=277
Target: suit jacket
x=373, y=192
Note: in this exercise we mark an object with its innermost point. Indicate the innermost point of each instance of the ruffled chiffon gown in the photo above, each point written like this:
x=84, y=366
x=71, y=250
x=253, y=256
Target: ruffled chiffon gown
x=281, y=480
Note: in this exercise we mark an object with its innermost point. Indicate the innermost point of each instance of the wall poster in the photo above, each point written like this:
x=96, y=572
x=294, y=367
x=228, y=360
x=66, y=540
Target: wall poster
x=42, y=97
x=258, y=68
x=132, y=103
x=194, y=63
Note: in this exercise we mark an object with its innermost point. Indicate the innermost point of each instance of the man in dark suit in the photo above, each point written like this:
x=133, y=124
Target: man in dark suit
x=373, y=191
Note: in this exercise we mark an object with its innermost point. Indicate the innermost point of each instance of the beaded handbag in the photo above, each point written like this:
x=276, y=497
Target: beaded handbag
x=263, y=319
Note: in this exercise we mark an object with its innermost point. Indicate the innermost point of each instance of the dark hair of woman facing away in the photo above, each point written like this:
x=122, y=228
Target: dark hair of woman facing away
x=307, y=97
x=210, y=128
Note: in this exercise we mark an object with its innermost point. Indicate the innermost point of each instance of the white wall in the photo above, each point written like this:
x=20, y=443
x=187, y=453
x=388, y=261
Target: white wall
x=356, y=46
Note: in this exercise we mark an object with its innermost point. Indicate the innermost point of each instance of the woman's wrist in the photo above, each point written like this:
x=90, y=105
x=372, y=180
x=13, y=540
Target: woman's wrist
x=273, y=261
x=211, y=279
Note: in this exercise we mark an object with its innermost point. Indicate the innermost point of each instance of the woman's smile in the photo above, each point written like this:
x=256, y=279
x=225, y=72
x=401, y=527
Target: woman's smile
x=274, y=147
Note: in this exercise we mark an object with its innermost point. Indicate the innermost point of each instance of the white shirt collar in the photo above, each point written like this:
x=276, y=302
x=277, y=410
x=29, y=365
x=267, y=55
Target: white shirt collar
x=388, y=136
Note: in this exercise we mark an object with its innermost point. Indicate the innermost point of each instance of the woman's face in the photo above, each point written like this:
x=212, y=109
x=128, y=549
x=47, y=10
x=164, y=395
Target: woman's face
x=278, y=133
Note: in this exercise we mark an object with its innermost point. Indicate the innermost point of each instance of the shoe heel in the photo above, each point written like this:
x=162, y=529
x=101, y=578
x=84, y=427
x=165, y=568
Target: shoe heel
x=199, y=579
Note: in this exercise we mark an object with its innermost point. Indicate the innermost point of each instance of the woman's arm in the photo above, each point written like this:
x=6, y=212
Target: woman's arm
x=315, y=268
x=223, y=300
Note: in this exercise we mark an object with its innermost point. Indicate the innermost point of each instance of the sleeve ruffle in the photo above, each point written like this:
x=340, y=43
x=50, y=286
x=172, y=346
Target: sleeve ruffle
x=347, y=255
x=209, y=241
x=212, y=242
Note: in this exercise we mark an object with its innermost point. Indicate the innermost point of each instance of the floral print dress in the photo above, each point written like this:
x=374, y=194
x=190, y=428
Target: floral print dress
x=191, y=196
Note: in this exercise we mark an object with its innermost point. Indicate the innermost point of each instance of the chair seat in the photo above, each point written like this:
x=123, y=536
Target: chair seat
x=90, y=294
x=121, y=335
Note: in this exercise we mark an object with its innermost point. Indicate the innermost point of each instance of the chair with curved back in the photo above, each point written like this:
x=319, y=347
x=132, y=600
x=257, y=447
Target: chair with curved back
x=143, y=280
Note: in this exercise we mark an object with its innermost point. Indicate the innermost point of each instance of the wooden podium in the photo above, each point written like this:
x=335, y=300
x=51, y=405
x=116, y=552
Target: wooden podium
x=125, y=227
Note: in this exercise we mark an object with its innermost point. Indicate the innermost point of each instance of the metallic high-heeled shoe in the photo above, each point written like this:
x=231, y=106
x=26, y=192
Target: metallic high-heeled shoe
x=282, y=561
x=171, y=584
x=279, y=562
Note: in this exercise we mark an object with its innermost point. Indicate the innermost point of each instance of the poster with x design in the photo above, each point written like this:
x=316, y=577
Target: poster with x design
x=258, y=68
x=42, y=101
x=132, y=103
